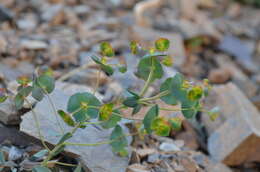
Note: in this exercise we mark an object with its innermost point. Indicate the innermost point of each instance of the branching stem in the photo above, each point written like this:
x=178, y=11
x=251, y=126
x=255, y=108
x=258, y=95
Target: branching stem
x=149, y=79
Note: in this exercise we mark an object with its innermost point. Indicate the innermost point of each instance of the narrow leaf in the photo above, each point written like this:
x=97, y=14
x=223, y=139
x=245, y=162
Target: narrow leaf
x=149, y=117
x=66, y=118
x=39, y=155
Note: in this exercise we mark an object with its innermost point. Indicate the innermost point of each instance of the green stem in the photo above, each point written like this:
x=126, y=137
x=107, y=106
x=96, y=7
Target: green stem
x=99, y=143
x=87, y=123
x=51, y=153
x=117, y=114
x=120, y=107
x=55, y=112
x=98, y=81
x=161, y=94
x=148, y=81
x=57, y=147
x=88, y=144
x=61, y=163
x=73, y=72
x=37, y=125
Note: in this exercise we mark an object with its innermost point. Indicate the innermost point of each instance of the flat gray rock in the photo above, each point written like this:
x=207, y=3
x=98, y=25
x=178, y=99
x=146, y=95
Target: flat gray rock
x=98, y=158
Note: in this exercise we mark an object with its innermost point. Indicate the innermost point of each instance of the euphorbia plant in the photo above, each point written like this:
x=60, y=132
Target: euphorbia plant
x=84, y=107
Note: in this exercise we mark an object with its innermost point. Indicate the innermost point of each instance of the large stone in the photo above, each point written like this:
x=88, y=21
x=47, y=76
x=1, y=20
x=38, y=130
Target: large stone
x=237, y=76
x=237, y=139
x=5, y=14
x=34, y=44
x=240, y=50
x=8, y=113
x=11, y=73
x=97, y=159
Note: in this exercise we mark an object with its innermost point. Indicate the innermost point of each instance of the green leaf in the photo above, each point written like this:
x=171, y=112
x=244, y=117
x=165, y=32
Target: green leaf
x=2, y=160
x=21, y=95
x=23, y=80
x=119, y=141
x=96, y=60
x=112, y=122
x=131, y=101
x=162, y=44
x=134, y=47
x=19, y=101
x=105, y=112
x=104, y=67
x=161, y=127
x=145, y=65
x=47, y=71
x=136, y=109
x=176, y=123
x=65, y=137
x=3, y=98
x=45, y=82
x=179, y=94
x=107, y=69
x=59, y=150
x=37, y=93
x=149, y=117
x=122, y=69
x=106, y=49
x=189, y=108
x=39, y=155
x=155, y=54
x=133, y=93
x=167, y=61
x=41, y=169
x=66, y=118
x=167, y=86
x=123, y=153
x=78, y=105
x=78, y=169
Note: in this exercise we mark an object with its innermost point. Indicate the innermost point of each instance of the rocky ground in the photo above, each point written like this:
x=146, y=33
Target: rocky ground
x=214, y=39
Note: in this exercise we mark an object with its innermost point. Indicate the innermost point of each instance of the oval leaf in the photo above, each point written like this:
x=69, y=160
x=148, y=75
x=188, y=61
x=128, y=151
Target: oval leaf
x=37, y=93
x=78, y=105
x=46, y=82
x=119, y=141
x=145, y=65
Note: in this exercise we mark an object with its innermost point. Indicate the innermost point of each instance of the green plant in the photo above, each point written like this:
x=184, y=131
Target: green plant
x=82, y=107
